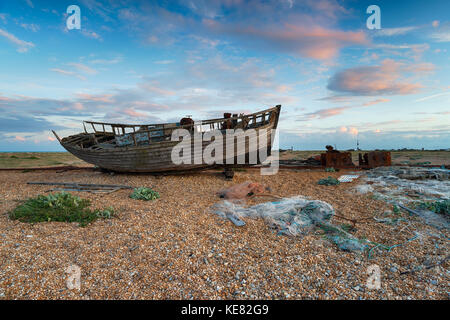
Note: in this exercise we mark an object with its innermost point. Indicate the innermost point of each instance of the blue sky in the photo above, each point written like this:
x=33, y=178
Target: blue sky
x=157, y=61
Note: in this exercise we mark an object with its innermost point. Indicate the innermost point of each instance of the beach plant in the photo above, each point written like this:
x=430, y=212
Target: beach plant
x=143, y=193
x=440, y=207
x=330, y=181
x=61, y=207
x=395, y=209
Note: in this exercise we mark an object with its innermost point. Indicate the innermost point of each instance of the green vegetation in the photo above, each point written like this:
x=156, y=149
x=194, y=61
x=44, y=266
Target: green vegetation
x=347, y=227
x=395, y=209
x=330, y=169
x=330, y=181
x=441, y=207
x=61, y=207
x=143, y=193
x=422, y=163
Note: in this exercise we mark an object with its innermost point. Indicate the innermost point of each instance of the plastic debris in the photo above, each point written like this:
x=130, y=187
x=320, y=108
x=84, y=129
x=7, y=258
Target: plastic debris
x=236, y=220
x=348, y=177
x=364, y=188
x=296, y=216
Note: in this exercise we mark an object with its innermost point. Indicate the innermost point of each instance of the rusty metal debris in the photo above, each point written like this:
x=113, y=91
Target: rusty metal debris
x=336, y=159
x=375, y=159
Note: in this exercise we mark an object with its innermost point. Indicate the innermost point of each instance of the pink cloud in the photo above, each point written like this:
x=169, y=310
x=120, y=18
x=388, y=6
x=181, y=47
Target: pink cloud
x=23, y=46
x=331, y=112
x=386, y=78
x=133, y=113
x=348, y=130
x=78, y=106
x=19, y=138
x=353, y=131
x=154, y=87
x=311, y=41
x=97, y=98
x=68, y=73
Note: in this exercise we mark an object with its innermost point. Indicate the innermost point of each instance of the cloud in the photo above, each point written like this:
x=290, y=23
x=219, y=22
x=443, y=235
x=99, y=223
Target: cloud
x=304, y=28
x=415, y=51
x=134, y=113
x=311, y=41
x=432, y=96
x=377, y=80
x=153, y=86
x=78, y=106
x=107, y=61
x=106, y=98
x=25, y=124
x=3, y=17
x=32, y=27
x=441, y=36
x=68, y=73
x=29, y=3
x=331, y=112
x=78, y=70
x=91, y=34
x=83, y=68
x=164, y=61
x=394, y=31
x=23, y=46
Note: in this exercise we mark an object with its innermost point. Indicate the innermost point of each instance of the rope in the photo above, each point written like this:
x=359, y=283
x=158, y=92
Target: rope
x=389, y=248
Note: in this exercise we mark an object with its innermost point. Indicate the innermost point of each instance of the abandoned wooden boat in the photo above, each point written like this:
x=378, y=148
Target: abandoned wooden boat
x=148, y=147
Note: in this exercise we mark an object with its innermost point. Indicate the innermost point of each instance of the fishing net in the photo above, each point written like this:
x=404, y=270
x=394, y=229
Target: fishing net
x=411, y=186
x=406, y=184
x=296, y=216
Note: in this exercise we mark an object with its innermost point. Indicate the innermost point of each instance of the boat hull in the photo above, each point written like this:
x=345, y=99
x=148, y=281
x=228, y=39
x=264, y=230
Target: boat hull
x=157, y=157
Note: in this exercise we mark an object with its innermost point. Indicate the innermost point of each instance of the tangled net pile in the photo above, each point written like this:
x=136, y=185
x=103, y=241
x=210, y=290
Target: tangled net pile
x=296, y=216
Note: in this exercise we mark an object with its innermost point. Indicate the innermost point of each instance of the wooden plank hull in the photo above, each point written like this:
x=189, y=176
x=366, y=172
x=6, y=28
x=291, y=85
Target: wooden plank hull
x=157, y=156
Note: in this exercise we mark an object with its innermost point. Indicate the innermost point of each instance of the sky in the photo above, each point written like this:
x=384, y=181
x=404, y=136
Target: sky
x=157, y=61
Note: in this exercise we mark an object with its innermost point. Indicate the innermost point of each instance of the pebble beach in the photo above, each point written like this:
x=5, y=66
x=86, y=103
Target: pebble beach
x=175, y=247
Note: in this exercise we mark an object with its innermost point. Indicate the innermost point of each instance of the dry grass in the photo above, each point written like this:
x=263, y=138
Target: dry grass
x=45, y=159
x=38, y=159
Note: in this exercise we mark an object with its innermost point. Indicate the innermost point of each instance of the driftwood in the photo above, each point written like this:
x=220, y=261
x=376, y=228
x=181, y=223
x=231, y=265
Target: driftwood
x=408, y=209
x=93, y=188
